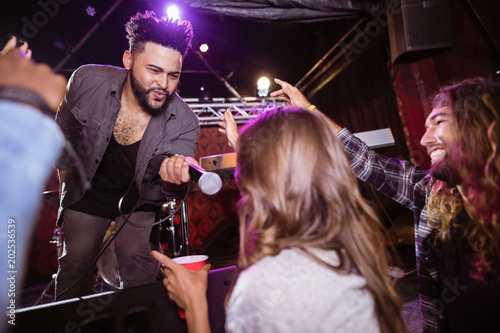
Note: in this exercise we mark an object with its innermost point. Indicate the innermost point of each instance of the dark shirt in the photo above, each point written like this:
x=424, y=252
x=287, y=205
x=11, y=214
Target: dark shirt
x=472, y=305
x=109, y=185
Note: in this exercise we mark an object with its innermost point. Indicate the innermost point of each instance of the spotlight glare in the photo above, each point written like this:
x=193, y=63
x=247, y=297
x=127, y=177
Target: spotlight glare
x=173, y=11
x=263, y=85
x=203, y=48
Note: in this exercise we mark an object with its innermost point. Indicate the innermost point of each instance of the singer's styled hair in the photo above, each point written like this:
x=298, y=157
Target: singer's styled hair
x=298, y=191
x=168, y=32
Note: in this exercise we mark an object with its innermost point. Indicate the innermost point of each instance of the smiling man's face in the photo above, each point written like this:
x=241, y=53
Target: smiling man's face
x=440, y=141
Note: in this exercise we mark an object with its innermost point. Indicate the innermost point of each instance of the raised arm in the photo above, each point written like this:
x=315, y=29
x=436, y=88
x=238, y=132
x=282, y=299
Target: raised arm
x=391, y=177
x=287, y=93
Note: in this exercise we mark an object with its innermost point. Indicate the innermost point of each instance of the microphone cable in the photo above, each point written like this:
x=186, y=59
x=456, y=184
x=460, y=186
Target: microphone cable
x=130, y=187
x=113, y=236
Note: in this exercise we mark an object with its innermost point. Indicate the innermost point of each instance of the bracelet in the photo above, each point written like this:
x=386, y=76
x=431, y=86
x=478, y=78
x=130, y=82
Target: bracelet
x=311, y=107
x=25, y=96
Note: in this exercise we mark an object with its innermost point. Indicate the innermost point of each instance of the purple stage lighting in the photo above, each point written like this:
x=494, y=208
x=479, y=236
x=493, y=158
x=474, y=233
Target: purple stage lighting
x=90, y=11
x=172, y=11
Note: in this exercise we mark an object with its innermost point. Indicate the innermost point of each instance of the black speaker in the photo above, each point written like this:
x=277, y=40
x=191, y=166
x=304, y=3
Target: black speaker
x=134, y=310
x=418, y=29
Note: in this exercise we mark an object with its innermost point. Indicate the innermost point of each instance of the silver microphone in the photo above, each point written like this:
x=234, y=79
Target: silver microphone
x=209, y=182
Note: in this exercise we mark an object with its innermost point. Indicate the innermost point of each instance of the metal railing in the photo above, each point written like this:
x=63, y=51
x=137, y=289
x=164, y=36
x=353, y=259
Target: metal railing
x=243, y=109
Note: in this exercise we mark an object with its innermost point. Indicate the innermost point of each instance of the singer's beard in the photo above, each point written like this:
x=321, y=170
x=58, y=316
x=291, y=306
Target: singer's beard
x=142, y=96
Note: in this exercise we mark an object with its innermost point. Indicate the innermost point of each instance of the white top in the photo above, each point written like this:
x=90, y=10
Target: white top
x=291, y=292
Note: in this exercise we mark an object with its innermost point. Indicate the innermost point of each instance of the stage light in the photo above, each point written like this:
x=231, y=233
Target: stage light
x=204, y=96
x=90, y=11
x=172, y=11
x=203, y=48
x=263, y=85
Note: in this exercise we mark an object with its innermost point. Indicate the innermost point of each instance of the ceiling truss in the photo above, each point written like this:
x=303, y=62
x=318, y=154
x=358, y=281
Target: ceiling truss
x=243, y=109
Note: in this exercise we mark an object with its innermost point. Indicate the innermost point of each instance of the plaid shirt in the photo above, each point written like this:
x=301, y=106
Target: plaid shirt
x=409, y=185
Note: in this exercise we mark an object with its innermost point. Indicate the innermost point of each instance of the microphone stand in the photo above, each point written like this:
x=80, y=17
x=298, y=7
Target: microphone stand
x=184, y=224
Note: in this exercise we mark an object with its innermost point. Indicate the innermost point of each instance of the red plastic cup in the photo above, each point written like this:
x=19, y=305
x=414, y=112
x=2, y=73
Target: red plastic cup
x=193, y=263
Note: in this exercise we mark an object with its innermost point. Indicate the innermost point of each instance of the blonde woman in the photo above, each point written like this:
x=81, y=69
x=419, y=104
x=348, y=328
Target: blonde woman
x=312, y=255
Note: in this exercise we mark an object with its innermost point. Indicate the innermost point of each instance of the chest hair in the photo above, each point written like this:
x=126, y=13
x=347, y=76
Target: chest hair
x=130, y=127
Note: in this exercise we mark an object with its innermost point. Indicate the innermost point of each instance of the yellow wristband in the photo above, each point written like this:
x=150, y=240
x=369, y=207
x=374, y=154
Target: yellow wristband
x=311, y=107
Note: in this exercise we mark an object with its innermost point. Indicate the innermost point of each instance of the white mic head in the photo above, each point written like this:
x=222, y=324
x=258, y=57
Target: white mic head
x=210, y=183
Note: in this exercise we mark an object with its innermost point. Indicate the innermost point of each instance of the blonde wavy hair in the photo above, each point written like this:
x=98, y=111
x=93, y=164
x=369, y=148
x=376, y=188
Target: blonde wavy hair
x=298, y=191
x=475, y=105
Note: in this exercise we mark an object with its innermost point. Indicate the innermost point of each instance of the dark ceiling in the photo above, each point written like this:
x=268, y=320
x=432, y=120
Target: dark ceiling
x=241, y=50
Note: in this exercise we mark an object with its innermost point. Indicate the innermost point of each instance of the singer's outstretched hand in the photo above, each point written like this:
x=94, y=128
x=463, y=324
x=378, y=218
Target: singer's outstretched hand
x=175, y=169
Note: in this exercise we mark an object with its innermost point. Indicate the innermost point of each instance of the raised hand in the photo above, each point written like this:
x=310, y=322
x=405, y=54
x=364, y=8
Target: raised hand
x=290, y=94
x=229, y=128
x=17, y=70
x=11, y=45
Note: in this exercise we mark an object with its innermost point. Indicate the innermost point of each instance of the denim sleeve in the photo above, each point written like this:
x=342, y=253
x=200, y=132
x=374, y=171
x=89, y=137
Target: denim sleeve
x=30, y=142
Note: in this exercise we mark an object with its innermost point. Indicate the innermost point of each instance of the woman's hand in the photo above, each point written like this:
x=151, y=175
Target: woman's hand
x=229, y=128
x=185, y=287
